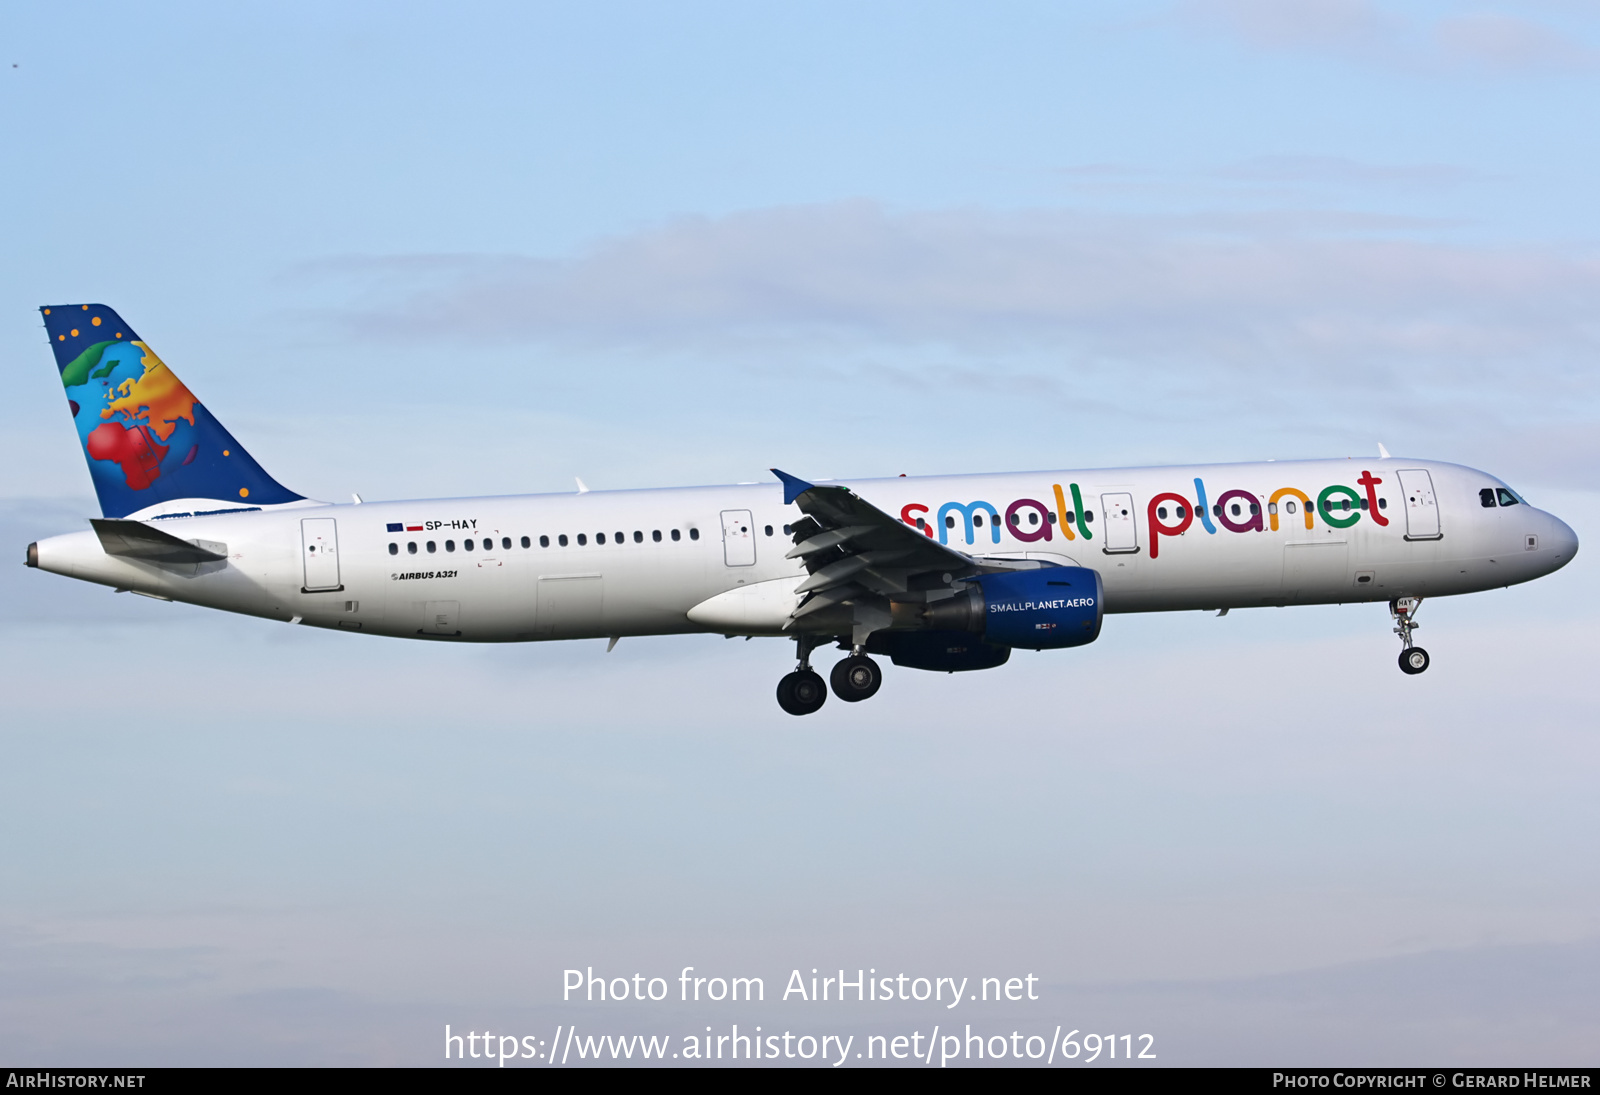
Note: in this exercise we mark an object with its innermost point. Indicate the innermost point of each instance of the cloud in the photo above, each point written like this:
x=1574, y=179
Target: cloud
x=1357, y=30
x=1504, y=43
x=1342, y=25
x=1343, y=170
x=1249, y=291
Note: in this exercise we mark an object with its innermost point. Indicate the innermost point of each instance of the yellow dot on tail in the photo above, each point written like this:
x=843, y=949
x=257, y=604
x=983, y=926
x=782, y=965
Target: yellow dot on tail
x=95, y=321
x=119, y=334
x=61, y=338
x=85, y=307
x=244, y=492
x=224, y=452
x=74, y=332
x=47, y=311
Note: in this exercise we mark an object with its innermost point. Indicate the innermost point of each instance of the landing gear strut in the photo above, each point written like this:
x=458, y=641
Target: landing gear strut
x=802, y=692
x=856, y=678
x=1413, y=659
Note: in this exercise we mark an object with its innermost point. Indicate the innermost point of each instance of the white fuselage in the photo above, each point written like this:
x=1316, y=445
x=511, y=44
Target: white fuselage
x=622, y=573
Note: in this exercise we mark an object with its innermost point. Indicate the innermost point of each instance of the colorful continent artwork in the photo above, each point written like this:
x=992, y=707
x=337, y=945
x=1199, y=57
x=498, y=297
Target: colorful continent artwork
x=142, y=409
x=147, y=438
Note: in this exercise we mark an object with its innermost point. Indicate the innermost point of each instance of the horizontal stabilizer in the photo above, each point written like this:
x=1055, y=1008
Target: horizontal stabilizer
x=137, y=540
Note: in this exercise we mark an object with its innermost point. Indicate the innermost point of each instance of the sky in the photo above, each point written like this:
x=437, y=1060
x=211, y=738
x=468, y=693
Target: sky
x=440, y=250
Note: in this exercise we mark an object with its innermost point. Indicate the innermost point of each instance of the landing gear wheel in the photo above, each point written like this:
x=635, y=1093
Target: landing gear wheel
x=855, y=678
x=801, y=692
x=1413, y=660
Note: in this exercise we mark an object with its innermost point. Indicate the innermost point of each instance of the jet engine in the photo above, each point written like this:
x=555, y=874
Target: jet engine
x=1043, y=609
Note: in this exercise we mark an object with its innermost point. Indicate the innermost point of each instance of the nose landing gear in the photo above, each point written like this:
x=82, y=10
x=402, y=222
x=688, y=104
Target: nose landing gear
x=802, y=692
x=1413, y=659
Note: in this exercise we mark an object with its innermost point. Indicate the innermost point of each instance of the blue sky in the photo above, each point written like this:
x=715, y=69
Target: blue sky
x=443, y=250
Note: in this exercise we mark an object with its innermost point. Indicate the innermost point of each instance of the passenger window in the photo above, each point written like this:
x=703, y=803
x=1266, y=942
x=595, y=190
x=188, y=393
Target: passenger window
x=1050, y=517
x=1072, y=518
x=1088, y=516
x=583, y=539
x=1033, y=517
x=1383, y=503
x=466, y=545
x=562, y=539
x=544, y=541
x=449, y=545
x=1291, y=507
x=1507, y=498
x=769, y=530
x=1362, y=503
x=638, y=537
x=786, y=530
x=394, y=549
x=1161, y=512
x=694, y=534
x=411, y=548
x=621, y=539
x=1255, y=508
x=676, y=535
x=1216, y=511
x=505, y=542
x=1235, y=508
x=599, y=538
x=1486, y=498
x=949, y=522
x=1272, y=507
x=977, y=520
x=656, y=536
x=527, y=543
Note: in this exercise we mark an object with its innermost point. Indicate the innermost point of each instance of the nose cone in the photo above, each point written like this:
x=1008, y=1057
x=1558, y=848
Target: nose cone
x=1563, y=542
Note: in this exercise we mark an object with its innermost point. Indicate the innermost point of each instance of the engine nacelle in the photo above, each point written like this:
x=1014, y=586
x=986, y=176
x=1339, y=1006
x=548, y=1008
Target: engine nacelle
x=1043, y=609
x=938, y=651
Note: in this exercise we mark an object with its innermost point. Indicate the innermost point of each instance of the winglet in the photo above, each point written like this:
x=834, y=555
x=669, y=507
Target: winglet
x=792, y=488
x=1383, y=452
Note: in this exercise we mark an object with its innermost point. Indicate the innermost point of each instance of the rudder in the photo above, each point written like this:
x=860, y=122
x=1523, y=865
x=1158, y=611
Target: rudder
x=147, y=439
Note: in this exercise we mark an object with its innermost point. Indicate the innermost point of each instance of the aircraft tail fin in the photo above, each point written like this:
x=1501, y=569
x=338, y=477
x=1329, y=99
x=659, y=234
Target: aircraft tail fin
x=147, y=439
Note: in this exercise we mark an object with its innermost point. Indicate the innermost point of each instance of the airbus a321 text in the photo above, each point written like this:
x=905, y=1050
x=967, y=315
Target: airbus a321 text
x=940, y=573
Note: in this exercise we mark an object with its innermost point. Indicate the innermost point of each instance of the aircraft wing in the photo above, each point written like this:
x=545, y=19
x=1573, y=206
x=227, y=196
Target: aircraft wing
x=852, y=550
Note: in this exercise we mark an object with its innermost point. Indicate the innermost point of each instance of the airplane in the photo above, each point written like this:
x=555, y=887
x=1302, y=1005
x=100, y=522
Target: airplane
x=945, y=573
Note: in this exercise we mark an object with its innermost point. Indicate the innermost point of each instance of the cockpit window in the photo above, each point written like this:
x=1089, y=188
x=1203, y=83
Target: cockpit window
x=1507, y=498
x=1486, y=497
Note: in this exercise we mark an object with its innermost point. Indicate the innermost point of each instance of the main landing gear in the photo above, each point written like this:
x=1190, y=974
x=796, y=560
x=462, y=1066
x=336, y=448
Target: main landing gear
x=802, y=692
x=854, y=679
x=1413, y=659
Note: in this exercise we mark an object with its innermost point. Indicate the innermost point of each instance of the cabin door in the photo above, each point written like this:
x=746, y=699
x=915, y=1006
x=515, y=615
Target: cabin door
x=319, y=547
x=1422, y=511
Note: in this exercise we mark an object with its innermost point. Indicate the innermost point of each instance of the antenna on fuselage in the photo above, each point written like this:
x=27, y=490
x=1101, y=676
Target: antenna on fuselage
x=1383, y=452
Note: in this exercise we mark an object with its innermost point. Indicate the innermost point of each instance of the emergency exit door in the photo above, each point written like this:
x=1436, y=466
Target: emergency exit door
x=319, y=549
x=738, y=538
x=1119, y=529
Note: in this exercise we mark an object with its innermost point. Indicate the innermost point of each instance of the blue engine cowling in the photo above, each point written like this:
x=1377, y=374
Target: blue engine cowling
x=1043, y=609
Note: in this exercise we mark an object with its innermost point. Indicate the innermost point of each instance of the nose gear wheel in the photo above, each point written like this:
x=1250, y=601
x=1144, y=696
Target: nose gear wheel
x=1413, y=659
